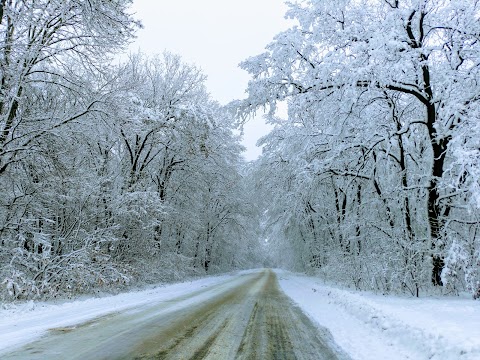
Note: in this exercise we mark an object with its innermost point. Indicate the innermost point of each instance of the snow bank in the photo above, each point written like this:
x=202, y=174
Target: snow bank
x=370, y=326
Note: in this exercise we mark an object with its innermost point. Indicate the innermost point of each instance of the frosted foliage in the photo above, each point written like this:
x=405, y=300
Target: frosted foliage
x=375, y=171
x=111, y=175
x=461, y=261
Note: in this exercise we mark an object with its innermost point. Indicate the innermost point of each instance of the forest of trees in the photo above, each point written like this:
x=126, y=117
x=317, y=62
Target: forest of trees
x=117, y=173
x=110, y=174
x=373, y=179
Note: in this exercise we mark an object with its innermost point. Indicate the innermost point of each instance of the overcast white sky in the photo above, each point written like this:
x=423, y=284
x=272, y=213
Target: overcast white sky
x=216, y=35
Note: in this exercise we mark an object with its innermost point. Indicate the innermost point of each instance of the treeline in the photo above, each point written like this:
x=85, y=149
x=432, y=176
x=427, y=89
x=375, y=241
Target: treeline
x=373, y=180
x=110, y=174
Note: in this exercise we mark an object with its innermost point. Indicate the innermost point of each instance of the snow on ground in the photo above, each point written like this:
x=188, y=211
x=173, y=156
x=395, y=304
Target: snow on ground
x=29, y=321
x=365, y=325
x=369, y=326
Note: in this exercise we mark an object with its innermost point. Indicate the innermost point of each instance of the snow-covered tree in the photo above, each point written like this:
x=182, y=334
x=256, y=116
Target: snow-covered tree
x=107, y=172
x=381, y=96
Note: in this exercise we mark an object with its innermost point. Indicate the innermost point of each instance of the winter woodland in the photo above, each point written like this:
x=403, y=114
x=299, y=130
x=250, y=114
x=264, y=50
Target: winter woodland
x=116, y=174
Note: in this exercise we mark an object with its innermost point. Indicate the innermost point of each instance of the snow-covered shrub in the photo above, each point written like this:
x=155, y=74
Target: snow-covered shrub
x=33, y=273
x=19, y=286
x=462, y=266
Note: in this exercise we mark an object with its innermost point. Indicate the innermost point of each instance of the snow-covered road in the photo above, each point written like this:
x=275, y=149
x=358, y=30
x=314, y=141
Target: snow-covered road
x=230, y=316
x=244, y=317
x=25, y=323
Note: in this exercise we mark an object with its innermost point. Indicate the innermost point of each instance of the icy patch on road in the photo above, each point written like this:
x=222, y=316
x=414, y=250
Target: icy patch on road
x=370, y=326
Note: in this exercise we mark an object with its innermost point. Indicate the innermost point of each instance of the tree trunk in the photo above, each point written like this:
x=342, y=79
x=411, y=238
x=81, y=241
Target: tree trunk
x=435, y=219
x=435, y=216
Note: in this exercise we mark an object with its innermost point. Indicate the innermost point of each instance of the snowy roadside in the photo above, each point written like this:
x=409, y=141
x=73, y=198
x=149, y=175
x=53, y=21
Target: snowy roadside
x=29, y=321
x=365, y=325
x=369, y=326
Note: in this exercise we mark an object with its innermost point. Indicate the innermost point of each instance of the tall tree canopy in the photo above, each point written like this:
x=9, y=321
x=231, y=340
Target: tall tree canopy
x=383, y=117
x=109, y=173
